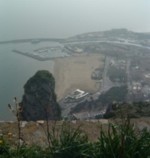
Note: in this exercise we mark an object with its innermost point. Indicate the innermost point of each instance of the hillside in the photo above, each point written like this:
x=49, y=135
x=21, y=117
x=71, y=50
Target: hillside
x=113, y=35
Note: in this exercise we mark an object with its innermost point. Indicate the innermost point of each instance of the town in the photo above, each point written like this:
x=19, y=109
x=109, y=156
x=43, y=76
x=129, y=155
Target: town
x=126, y=64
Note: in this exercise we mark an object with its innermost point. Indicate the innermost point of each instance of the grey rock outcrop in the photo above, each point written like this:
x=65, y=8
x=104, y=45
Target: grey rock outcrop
x=39, y=99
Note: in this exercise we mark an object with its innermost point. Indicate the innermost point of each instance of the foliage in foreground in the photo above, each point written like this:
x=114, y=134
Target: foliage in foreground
x=120, y=140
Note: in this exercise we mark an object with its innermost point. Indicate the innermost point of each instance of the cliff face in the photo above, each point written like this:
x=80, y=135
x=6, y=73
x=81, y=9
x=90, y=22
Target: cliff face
x=39, y=99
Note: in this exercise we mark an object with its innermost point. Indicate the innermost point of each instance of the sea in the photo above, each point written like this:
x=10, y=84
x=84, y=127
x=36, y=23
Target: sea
x=15, y=70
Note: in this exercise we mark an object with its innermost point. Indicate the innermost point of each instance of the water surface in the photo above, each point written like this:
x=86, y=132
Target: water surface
x=15, y=70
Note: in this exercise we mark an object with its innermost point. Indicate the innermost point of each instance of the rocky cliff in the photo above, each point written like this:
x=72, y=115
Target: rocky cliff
x=39, y=99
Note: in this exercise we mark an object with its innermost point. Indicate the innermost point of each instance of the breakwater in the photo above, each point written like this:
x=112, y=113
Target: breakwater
x=34, y=56
x=33, y=40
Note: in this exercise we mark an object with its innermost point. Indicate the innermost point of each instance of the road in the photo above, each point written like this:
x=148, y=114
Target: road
x=107, y=41
x=106, y=83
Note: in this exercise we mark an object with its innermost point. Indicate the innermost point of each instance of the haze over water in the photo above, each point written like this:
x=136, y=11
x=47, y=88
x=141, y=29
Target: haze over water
x=15, y=70
x=63, y=18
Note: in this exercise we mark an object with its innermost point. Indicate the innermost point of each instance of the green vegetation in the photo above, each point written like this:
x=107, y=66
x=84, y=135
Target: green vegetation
x=39, y=101
x=121, y=141
x=115, y=94
x=118, y=140
x=134, y=110
x=70, y=143
x=117, y=74
x=42, y=76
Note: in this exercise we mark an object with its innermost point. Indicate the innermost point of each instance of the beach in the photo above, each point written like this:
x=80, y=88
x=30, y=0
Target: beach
x=75, y=72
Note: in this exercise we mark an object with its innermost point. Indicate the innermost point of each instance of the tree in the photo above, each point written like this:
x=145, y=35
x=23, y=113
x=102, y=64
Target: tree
x=39, y=99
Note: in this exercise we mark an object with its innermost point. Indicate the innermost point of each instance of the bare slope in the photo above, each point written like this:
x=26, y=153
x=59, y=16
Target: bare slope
x=75, y=72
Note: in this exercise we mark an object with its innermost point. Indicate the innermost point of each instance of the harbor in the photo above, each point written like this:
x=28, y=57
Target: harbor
x=42, y=51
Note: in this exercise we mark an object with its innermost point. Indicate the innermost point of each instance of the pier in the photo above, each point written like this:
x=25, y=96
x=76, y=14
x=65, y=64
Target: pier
x=34, y=56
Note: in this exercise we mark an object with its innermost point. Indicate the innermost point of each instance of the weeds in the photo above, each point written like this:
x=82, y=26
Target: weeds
x=16, y=109
x=70, y=142
x=4, y=147
x=119, y=140
x=122, y=141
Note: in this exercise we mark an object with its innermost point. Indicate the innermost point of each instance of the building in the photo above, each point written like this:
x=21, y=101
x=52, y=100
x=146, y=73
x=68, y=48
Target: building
x=76, y=95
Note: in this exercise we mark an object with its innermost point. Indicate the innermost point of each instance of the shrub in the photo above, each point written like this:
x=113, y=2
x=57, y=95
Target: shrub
x=122, y=141
x=119, y=140
x=27, y=152
x=4, y=147
x=70, y=143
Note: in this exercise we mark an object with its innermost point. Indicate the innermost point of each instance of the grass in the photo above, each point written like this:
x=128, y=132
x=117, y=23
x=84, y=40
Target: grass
x=119, y=140
x=122, y=141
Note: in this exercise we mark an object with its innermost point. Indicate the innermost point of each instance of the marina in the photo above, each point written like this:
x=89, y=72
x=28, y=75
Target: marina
x=42, y=52
x=37, y=56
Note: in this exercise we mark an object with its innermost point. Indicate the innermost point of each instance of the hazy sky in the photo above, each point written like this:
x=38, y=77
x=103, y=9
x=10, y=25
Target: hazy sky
x=64, y=18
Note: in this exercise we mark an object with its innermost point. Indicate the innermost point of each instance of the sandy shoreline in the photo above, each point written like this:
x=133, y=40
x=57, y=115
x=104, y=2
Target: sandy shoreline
x=75, y=72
